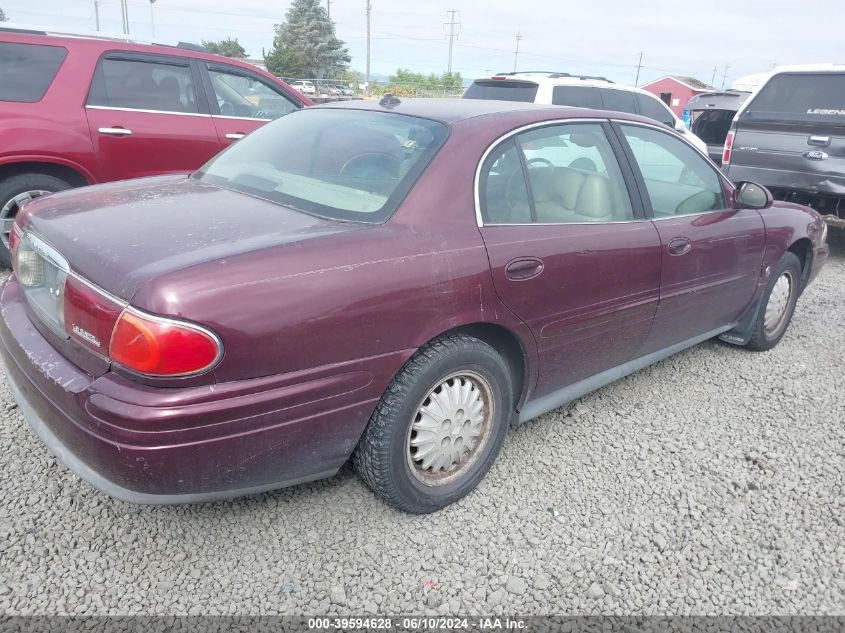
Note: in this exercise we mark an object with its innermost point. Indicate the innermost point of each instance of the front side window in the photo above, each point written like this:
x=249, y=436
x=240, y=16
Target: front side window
x=502, y=90
x=241, y=95
x=27, y=70
x=144, y=85
x=571, y=174
x=678, y=178
x=339, y=164
x=654, y=109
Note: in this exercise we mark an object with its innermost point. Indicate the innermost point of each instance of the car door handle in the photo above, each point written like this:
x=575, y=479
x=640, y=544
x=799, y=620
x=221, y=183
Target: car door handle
x=679, y=246
x=821, y=141
x=523, y=268
x=235, y=136
x=115, y=131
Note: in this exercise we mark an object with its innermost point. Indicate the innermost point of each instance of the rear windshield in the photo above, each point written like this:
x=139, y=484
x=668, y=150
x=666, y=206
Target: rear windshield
x=712, y=126
x=27, y=70
x=804, y=97
x=337, y=164
x=502, y=90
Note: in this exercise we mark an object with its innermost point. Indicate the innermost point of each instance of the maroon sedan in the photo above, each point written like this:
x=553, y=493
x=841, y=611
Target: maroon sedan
x=395, y=281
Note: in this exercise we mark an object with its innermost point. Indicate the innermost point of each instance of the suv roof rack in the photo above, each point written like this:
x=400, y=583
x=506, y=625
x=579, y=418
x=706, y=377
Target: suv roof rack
x=555, y=75
x=26, y=29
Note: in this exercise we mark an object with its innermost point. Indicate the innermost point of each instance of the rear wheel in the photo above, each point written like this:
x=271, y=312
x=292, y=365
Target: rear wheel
x=439, y=426
x=780, y=298
x=15, y=191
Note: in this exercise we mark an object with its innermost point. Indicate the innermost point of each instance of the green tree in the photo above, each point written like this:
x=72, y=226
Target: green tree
x=410, y=84
x=3, y=17
x=305, y=45
x=228, y=47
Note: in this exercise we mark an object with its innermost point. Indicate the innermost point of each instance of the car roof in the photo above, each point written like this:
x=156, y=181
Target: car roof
x=106, y=41
x=455, y=110
x=565, y=79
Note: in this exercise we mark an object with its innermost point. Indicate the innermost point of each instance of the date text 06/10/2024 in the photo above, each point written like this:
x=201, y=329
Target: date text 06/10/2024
x=416, y=624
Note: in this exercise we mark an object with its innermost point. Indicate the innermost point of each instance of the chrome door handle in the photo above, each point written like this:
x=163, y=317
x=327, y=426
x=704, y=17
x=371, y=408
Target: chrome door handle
x=679, y=246
x=115, y=131
x=235, y=136
x=523, y=268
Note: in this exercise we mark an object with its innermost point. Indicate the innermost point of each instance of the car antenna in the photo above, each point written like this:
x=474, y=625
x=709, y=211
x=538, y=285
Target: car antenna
x=389, y=101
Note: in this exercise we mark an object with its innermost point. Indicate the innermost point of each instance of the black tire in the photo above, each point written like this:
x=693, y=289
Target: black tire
x=14, y=186
x=765, y=338
x=383, y=456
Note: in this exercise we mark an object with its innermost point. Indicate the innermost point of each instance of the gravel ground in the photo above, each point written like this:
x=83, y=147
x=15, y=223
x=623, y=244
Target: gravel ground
x=713, y=482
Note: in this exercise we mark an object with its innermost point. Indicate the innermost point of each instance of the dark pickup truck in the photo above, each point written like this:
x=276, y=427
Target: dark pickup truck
x=790, y=137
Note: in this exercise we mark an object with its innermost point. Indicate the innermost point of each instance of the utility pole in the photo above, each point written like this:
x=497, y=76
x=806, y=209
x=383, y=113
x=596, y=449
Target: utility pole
x=516, y=51
x=329, y=9
x=452, y=35
x=152, y=17
x=713, y=78
x=97, y=13
x=124, y=14
x=639, y=65
x=367, y=83
x=725, y=75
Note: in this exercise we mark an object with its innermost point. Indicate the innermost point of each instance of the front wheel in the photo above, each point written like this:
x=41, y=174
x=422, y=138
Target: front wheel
x=439, y=426
x=16, y=190
x=779, y=301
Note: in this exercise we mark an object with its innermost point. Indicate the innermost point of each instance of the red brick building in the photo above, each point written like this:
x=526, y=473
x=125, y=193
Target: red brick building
x=676, y=90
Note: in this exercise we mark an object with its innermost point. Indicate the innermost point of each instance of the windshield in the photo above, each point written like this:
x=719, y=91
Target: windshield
x=338, y=164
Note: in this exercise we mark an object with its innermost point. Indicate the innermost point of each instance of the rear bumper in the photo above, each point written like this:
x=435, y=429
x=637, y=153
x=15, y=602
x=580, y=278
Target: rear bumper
x=150, y=445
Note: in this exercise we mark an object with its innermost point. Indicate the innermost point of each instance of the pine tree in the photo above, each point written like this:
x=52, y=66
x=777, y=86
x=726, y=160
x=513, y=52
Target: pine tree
x=305, y=45
x=3, y=17
x=228, y=47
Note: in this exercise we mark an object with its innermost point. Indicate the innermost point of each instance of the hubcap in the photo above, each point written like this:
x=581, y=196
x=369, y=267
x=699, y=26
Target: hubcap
x=450, y=429
x=10, y=210
x=778, y=303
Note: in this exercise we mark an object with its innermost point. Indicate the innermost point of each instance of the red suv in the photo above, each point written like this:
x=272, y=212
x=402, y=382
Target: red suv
x=77, y=110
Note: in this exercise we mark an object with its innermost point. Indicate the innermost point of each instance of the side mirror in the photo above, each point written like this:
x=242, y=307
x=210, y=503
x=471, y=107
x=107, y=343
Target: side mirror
x=679, y=125
x=753, y=196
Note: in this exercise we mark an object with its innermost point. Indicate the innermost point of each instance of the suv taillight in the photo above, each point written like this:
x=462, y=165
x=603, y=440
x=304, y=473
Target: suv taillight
x=72, y=307
x=729, y=144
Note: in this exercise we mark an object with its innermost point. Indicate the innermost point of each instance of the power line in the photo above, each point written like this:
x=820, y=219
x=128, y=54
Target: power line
x=452, y=35
x=516, y=51
x=725, y=75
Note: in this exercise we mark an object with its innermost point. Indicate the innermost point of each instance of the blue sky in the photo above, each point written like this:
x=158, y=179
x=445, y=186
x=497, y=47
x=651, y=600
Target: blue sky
x=602, y=37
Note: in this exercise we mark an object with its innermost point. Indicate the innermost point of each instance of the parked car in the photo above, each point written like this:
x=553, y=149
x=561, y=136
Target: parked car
x=580, y=91
x=305, y=87
x=399, y=281
x=77, y=110
x=711, y=116
x=790, y=136
x=345, y=91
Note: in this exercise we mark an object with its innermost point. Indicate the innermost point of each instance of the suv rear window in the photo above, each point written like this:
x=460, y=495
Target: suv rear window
x=577, y=97
x=805, y=97
x=618, y=100
x=502, y=90
x=27, y=70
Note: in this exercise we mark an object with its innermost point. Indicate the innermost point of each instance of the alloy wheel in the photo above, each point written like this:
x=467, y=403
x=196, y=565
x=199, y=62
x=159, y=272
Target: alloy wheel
x=10, y=211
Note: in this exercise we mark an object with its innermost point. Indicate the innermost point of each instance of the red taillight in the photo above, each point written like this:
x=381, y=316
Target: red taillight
x=729, y=144
x=162, y=347
x=90, y=315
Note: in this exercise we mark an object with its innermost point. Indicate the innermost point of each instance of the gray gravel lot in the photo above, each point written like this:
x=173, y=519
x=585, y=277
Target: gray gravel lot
x=713, y=482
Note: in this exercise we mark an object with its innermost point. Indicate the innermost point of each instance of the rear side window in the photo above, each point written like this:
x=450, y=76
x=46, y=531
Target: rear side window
x=27, y=70
x=655, y=110
x=143, y=85
x=618, y=100
x=524, y=91
x=577, y=97
x=805, y=97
